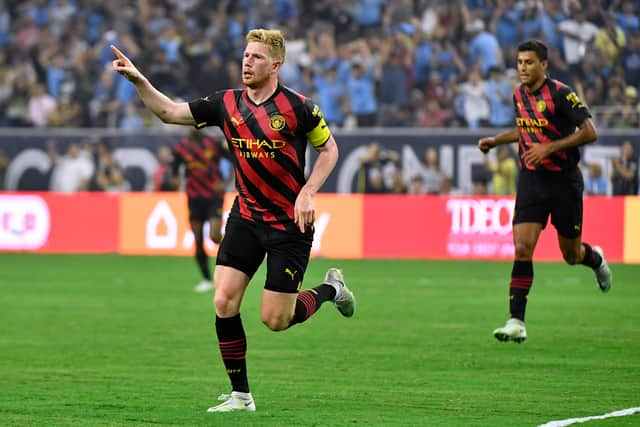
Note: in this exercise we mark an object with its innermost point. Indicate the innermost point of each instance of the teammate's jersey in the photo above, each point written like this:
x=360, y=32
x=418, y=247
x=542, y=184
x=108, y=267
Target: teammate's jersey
x=201, y=159
x=267, y=144
x=552, y=112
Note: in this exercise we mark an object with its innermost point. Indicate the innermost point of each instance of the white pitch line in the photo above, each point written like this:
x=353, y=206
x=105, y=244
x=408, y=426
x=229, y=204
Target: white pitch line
x=620, y=413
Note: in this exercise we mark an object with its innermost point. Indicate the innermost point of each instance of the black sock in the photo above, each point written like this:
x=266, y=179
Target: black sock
x=591, y=258
x=233, y=348
x=203, y=263
x=308, y=302
x=521, y=280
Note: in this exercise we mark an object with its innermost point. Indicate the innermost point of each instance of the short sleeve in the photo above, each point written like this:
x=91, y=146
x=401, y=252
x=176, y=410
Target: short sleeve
x=315, y=127
x=570, y=105
x=207, y=111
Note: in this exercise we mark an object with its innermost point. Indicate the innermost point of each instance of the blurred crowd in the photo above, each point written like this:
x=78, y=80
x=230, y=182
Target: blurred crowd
x=419, y=63
x=381, y=172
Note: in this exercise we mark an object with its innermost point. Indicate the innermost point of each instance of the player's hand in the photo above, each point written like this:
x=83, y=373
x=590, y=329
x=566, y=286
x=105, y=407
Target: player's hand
x=303, y=211
x=536, y=153
x=486, y=144
x=123, y=65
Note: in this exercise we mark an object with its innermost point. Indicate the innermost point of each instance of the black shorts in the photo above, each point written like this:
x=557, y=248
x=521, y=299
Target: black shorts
x=246, y=243
x=203, y=208
x=559, y=194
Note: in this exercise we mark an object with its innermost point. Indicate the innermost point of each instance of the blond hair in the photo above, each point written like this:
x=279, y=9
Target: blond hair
x=274, y=39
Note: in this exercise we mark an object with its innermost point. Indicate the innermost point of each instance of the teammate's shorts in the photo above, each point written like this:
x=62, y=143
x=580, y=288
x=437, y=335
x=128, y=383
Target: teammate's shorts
x=246, y=243
x=559, y=194
x=203, y=208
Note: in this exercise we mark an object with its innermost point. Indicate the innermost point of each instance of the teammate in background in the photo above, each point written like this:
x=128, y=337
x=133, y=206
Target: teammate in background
x=268, y=127
x=201, y=156
x=550, y=183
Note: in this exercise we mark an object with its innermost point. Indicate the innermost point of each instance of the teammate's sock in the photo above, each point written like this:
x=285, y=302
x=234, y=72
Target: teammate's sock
x=203, y=263
x=521, y=280
x=308, y=302
x=233, y=348
x=591, y=258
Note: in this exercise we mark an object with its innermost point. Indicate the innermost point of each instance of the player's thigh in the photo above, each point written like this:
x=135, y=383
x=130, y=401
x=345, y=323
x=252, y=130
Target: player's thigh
x=532, y=200
x=566, y=210
x=241, y=248
x=287, y=260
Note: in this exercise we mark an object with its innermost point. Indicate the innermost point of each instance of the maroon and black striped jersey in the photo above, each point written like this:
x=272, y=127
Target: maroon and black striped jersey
x=201, y=157
x=552, y=112
x=267, y=144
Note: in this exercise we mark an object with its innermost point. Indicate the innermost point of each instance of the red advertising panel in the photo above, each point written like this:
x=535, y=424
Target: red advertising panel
x=473, y=228
x=58, y=222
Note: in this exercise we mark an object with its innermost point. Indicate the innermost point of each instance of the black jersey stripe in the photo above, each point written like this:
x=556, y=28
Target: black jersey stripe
x=289, y=158
x=525, y=99
x=260, y=183
x=265, y=175
x=274, y=214
x=258, y=123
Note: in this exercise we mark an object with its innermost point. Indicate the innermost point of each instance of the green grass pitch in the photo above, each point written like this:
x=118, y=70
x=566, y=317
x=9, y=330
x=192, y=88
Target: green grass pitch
x=107, y=340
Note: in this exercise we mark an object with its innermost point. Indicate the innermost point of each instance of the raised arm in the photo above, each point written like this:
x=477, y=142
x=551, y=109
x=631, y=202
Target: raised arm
x=161, y=105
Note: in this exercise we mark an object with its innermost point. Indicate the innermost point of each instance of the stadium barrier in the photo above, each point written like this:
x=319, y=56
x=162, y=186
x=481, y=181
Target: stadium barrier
x=29, y=167
x=347, y=226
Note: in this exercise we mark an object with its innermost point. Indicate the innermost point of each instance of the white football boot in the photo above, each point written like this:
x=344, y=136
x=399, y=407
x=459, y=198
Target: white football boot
x=344, y=300
x=513, y=330
x=236, y=401
x=603, y=274
x=204, y=286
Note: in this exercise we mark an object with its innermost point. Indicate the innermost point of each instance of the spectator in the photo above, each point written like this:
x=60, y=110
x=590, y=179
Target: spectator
x=577, y=33
x=624, y=179
x=330, y=95
x=595, y=184
x=17, y=107
x=431, y=171
x=66, y=43
x=416, y=185
x=71, y=170
x=499, y=94
x=361, y=86
x=377, y=165
x=163, y=178
x=503, y=173
x=484, y=49
x=475, y=101
x=108, y=175
x=40, y=106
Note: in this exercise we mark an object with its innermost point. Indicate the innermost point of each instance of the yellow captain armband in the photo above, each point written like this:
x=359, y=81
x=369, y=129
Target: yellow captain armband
x=320, y=134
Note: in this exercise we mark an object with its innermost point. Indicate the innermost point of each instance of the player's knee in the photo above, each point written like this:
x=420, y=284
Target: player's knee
x=276, y=323
x=523, y=250
x=225, y=305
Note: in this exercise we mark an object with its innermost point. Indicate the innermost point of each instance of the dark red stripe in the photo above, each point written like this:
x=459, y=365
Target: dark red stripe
x=309, y=302
x=521, y=283
x=525, y=137
x=257, y=180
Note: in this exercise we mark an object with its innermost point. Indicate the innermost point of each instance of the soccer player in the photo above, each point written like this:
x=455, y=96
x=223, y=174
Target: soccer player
x=201, y=157
x=268, y=127
x=552, y=122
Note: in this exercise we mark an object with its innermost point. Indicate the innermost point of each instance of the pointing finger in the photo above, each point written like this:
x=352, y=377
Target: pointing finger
x=117, y=52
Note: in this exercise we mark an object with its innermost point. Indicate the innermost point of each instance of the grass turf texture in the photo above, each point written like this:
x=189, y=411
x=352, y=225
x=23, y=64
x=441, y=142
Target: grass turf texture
x=110, y=340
